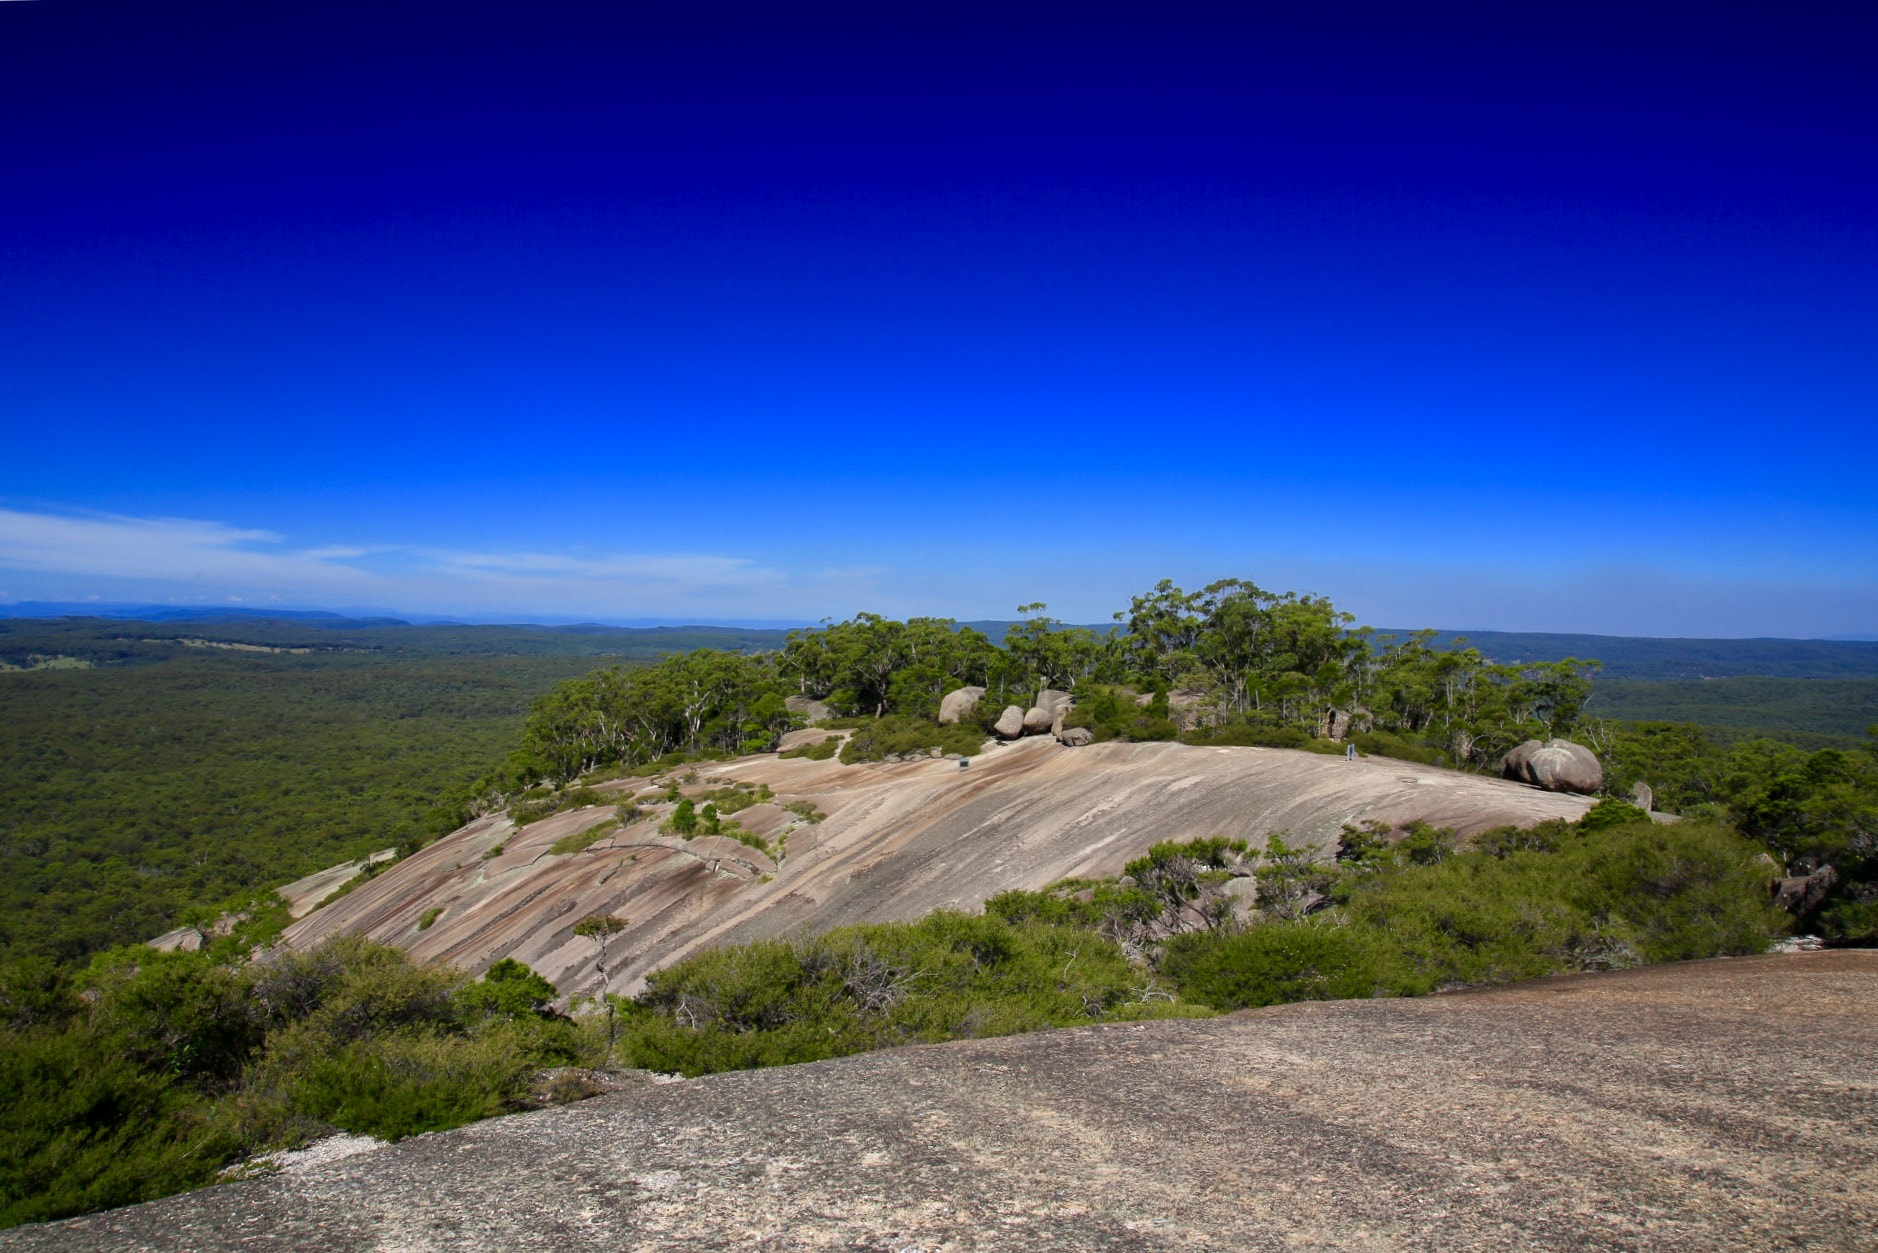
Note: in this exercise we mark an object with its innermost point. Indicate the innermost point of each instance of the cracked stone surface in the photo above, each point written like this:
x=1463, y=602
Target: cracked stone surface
x=1728, y=1104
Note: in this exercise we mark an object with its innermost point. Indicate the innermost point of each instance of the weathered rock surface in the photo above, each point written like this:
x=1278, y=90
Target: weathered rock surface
x=899, y=841
x=807, y=736
x=1555, y=765
x=1075, y=737
x=1668, y=1108
x=1187, y=706
x=1053, y=702
x=812, y=710
x=1802, y=894
x=1010, y=723
x=1643, y=796
x=956, y=706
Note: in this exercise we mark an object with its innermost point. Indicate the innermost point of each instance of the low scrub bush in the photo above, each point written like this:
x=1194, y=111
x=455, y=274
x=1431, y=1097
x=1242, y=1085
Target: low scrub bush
x=1415, y=914
x=527, y=811
x=947, y=976
x=1110, y=713
x=875, y=738
x=1280, y=962
x=821, y=750
x=1385, y=744
x=152, y=1071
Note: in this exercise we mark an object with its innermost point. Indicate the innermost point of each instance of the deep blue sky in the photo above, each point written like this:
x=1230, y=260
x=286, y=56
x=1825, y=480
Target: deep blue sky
x=1535, y=317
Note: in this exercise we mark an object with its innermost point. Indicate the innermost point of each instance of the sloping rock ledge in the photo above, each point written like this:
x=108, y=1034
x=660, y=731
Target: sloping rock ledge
x=1708, y=1105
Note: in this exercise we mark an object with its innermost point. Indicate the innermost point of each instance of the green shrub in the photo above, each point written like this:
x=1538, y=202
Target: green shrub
x=84, y=1127
x=429, y=917
x=408, y=1082
x=806, y=811
x=528, y=811
x=1110, y=713
x=1417, y=915
x=1385, y=744
x=1615, y=897
x=684, y=820
x=1247, y=735
x=947, y=976
x=1277, y=963
x=1852, y=919
x=874, y=738
x=1611, y=812
x=822, y=750
x=738, y=797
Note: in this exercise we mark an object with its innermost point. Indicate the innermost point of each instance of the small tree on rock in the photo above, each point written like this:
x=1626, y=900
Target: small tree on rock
x=601, y=928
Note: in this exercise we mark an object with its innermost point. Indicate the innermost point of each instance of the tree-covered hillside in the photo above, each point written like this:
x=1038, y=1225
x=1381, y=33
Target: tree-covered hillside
x=1815, y=713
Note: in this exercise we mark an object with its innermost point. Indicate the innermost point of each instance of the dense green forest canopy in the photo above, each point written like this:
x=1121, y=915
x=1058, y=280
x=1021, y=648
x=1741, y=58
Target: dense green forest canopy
x=1229, y=656
x=1815, y=713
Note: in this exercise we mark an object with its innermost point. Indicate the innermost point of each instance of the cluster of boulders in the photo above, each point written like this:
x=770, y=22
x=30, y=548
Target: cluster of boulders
x=1044, y=717
x=1555, y=765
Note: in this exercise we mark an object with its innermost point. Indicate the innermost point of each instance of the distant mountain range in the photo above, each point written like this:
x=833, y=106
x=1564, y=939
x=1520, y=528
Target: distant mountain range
x=1624, y=657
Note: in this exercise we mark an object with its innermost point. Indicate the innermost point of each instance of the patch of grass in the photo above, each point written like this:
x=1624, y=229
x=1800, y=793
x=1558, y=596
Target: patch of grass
x=369, y=872
x=738, y=797
x=583, y=839
x=820, y=751
x=490, y=854
x=428, y=917
x=806, y=811
x=534, y=810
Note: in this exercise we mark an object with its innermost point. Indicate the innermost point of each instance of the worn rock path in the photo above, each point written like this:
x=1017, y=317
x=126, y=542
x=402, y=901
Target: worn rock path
x=1727, y=1104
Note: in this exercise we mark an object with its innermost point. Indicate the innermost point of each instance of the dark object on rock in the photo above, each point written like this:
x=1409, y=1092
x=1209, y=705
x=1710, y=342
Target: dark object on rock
x=1555, y=765
x=1801, y=894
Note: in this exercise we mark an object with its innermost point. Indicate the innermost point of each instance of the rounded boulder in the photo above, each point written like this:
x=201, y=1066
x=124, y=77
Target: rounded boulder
x=1555, y=765
x=957, y=706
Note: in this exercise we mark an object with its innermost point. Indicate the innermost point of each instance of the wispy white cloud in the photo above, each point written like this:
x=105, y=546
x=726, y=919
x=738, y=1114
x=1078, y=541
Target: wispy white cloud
x=75, y=555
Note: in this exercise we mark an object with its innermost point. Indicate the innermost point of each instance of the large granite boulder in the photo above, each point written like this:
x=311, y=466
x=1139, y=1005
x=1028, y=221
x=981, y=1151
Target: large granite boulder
x=1054, y=702
x=1643, y=796
x=1075, y=737
x=1010, y=723
x=1555, y=765
x=808, y=709
x=957, y=706
x=1037, y=719
x=1801, y=894
x=1188, y=707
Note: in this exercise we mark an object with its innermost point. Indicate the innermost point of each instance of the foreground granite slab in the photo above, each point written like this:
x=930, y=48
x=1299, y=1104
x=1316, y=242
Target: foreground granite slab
x=1712, y=1105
